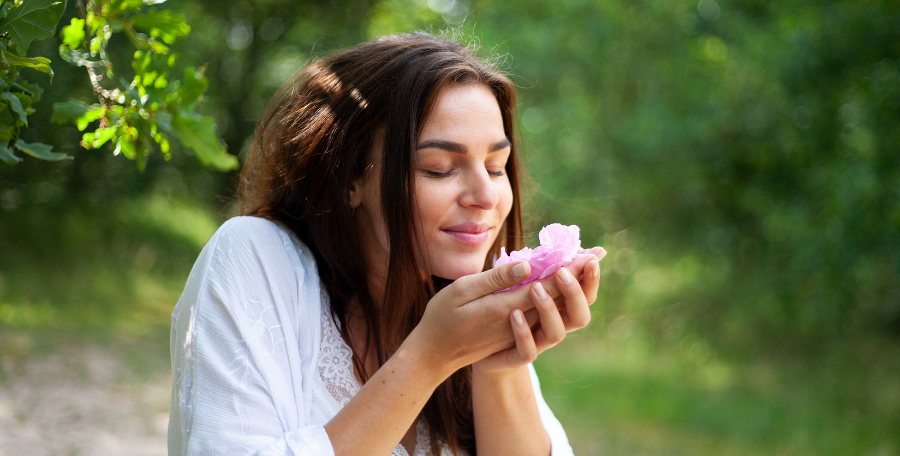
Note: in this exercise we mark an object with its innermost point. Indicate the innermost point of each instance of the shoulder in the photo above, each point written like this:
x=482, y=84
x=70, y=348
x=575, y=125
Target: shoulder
x=249, y=267
x=245, y=250
x=244, y=236
x=249, y=230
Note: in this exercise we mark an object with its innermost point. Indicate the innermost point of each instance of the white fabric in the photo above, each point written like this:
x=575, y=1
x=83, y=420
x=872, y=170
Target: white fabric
x=258, y=366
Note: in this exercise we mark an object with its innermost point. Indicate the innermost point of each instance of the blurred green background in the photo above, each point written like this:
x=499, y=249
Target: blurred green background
x=739, y=160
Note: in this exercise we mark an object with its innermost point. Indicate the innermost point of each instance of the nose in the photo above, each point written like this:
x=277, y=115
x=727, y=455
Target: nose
x=480, y=192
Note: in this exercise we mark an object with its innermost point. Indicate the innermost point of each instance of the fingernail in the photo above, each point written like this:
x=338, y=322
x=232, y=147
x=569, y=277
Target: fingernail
x=520, y=270
x=565, y=275
x=595, y=267
x=601, y=253
x=539, y=290
x=517, y=315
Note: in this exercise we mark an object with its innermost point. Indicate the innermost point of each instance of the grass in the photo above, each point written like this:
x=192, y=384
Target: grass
x=624, y=397
x=108, y=275
x=111, y=276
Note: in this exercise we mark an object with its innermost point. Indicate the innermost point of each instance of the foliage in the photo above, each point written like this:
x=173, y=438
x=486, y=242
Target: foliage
x=744, y=150
x=21, y=22
x=155, y=107
x=743, y=163
x=738, y=160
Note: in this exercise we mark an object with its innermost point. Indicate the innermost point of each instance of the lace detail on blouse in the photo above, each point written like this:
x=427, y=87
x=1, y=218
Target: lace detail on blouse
x=335, y=364
x=335, y=360
x=423, y=438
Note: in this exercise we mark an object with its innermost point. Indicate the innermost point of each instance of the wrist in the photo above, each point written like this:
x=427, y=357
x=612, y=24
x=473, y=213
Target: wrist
x=498, y=375
x=429, y=359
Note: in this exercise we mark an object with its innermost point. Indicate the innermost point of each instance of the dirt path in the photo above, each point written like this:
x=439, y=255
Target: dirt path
x=81, y=401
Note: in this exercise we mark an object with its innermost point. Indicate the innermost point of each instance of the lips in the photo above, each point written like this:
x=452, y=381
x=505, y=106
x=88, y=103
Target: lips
x=469, y=233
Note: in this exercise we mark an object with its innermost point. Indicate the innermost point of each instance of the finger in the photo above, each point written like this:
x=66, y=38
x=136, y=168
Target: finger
x=474, y=286
x=575, y=267
x=533, y=318
x=590, y=281
x=525, y=345
x=554, y=330
x=598, y=252
x=577, y=312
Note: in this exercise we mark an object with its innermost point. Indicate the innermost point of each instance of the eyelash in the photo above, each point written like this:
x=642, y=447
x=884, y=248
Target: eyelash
x=449, y=173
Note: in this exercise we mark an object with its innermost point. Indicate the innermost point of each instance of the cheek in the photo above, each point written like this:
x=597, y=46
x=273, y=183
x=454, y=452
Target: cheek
x=432, y=203
x=506, y=199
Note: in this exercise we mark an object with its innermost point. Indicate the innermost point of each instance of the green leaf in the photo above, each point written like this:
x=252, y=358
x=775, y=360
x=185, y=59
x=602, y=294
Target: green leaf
x=32, y=89
x=159, y=48
x=24, y=98
x=161, y=82
x=15, y=106
x=73, y=34
x=198, y=134
x=163, y=120
x=31, y=20
x=162, y=24
x=8, y=124
x=195, y=84
x=125, y=5
x=7, y=155
x=88, y=117
x=125, y=146
x=41, y=151
x=41, y=64
x=98, y=137
x=70, y=110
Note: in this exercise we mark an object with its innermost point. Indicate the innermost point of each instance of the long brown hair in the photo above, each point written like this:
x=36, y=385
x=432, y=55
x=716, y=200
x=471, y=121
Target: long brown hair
x=315, y=139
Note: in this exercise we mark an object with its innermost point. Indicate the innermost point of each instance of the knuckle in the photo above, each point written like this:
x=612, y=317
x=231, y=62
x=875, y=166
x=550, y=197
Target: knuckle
x=522, y=336
x=543, y=304
x=552, y=290
x=581, y=321
x=570, y=288
x=496, y=279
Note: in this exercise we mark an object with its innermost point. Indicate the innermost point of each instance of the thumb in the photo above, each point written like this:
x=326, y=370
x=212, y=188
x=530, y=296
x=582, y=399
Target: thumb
x=484, y=283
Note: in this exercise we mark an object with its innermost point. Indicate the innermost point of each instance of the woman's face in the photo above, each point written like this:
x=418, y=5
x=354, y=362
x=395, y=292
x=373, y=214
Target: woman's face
x=462, y=192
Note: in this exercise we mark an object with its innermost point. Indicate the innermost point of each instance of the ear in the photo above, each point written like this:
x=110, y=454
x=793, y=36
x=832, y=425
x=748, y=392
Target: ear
x=353, y=194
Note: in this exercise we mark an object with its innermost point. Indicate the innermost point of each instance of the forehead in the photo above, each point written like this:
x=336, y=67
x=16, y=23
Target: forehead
x=465, y=110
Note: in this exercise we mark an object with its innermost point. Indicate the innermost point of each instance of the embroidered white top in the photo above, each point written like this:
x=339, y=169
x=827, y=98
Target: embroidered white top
x=259, y=367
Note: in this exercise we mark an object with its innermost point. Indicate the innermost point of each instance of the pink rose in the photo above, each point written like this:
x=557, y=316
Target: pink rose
x=560, y=245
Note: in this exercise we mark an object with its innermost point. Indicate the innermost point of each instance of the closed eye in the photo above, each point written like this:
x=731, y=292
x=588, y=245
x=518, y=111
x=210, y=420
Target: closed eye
x=432, y=173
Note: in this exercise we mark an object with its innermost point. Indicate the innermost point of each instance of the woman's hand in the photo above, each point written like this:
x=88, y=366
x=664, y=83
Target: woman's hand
x=467, y=320
x=561, y=305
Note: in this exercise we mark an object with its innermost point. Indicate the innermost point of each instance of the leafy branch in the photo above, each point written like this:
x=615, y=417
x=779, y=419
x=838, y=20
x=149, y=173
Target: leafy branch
x=21, y=22
x=153, y=109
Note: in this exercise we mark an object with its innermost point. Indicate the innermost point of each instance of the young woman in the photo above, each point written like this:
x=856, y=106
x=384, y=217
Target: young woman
x=349, y=313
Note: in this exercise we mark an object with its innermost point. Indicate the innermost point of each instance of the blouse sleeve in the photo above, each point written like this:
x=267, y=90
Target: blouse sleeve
x=559, y=443
x=240, y=384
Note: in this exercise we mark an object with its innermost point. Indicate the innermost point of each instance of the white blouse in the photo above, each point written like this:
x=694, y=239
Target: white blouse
x=259, y=366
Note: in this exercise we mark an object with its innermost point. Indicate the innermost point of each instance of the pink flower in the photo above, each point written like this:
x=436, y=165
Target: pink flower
x=560, y=245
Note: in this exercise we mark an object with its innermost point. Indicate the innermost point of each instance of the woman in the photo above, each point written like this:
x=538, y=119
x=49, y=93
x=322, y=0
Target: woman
x=350, y=315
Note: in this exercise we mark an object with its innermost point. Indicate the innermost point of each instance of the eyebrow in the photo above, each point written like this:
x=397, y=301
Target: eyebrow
x=459, y=148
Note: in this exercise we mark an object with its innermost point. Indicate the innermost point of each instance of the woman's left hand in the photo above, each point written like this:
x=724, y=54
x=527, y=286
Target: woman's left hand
x=561, y=306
